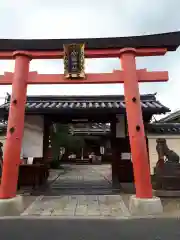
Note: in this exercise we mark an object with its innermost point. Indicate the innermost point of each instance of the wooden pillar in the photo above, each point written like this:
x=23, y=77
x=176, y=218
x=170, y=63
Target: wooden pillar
x=135, y=124
x=15, y=127
x=115, y=160
x=46, y=135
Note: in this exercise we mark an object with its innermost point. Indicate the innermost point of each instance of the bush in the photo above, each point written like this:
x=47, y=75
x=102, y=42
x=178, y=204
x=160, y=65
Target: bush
x=55, y=164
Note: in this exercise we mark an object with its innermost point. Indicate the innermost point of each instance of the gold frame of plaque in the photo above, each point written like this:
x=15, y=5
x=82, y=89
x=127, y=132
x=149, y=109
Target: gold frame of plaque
x=74, y=61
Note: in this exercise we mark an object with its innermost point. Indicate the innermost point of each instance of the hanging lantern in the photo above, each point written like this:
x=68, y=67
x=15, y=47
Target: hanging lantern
x=74, y=61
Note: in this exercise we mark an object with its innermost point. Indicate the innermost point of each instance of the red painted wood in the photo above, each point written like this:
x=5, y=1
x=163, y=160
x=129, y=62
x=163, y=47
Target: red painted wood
x=135, y=120
x=15, y=128
x=91, y=78
x=110, y=53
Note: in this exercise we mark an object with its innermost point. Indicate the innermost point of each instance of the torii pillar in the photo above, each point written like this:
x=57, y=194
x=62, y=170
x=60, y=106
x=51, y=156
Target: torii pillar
x=144, y=197
x=15, y=128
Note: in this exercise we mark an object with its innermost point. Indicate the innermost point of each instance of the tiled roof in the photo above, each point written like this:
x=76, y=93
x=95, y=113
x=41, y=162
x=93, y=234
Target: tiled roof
x=95, y=103
x=3, y=127
x=172, y=117
x=164, y=128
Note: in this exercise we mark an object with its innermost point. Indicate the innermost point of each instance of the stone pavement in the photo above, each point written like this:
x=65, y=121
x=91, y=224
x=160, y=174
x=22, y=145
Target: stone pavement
x=96, y=206
x=105, y=171
x=85, y=179
x=54, y=174
x=82, y=191
x=86, y=192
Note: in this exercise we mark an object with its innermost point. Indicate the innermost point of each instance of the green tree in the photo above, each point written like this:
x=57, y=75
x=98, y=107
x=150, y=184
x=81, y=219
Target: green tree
x=60, y=137
x=75, y=143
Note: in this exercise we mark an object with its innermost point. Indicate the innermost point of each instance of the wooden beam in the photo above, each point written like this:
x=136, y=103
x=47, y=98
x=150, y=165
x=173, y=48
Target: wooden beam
x=106, y=53
x=91, y=78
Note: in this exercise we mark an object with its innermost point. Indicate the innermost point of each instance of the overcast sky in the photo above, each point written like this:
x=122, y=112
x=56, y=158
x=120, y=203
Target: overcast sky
x=94, y=18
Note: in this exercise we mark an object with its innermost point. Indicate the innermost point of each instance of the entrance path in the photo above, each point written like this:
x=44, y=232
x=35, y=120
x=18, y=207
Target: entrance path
x=82, y=191
x=83, y=179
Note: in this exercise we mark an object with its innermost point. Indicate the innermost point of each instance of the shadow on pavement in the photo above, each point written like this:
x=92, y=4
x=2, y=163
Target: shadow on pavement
x=54, y=228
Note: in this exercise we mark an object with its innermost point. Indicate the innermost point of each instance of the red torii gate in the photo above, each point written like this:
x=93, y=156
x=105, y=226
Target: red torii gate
x=129, y=75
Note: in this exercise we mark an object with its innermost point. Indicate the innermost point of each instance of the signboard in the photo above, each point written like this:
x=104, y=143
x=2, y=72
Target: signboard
x=125, y=156
x=74, y=61
x=101, y=150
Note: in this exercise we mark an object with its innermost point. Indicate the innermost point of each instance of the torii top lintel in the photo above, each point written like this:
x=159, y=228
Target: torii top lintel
x=146, y=45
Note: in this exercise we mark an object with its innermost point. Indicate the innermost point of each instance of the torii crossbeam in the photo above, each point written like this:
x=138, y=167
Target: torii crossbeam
x=92, y=78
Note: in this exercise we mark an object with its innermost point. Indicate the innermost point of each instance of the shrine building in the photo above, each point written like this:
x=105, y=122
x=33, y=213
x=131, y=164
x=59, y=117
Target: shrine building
x=43, y=111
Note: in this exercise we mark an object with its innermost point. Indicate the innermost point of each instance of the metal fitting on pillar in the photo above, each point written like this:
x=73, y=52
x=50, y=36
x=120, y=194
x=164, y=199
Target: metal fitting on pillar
x=128, y=50
x=134, y=99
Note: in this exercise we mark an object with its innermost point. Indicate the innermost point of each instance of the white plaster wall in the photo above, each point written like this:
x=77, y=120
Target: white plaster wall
x=173, y=142
x=32, y=145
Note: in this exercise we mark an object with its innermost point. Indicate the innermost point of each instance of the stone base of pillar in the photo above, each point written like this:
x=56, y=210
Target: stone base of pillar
x=145, y=207
x=12, y=206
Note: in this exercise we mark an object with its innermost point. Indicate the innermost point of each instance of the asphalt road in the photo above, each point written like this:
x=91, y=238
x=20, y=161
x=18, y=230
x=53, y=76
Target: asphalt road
x=52, y=229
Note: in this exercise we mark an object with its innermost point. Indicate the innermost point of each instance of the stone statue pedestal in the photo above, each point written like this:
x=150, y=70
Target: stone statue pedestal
x=167, y=177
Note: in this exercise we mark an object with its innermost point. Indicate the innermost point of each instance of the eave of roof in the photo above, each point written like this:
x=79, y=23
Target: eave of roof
x=171, y=117
x=170, y=40
x=154, y=129
x=30, y=98
x=107, y=103
x=3, y=127
x=163, y=128
x=151, y=128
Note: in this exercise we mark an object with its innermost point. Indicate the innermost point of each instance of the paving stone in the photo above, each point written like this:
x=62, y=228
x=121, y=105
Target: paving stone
x=47, y=212
x=105, y=210
x=81, y=211
x=81, y=179
x=79, y=206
